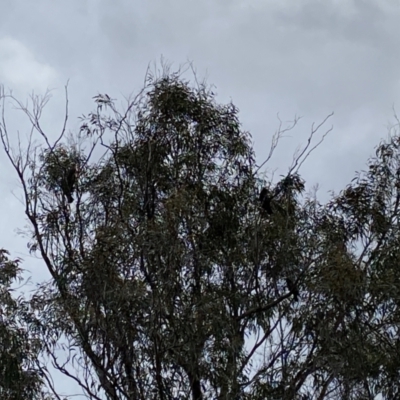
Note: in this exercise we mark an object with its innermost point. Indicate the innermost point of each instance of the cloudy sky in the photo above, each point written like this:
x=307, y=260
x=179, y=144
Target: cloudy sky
x=305, y=58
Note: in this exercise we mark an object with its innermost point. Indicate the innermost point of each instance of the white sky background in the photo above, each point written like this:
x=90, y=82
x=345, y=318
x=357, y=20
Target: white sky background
x=305, y=58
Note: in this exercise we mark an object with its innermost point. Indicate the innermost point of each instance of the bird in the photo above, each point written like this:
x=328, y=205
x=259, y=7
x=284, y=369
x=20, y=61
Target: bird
x=68, y=183
x=265, y=201
x=292, y=289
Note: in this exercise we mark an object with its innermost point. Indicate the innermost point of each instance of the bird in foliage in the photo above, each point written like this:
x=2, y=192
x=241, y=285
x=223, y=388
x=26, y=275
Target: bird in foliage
x=68, y=183
x=292, y=289
x=270, y=200
x=265, y=200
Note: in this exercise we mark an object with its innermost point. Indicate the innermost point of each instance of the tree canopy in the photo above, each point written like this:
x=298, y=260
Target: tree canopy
x=178, y=272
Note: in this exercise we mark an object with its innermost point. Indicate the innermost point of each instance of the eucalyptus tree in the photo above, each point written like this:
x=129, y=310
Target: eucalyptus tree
x=20, y=374
x=178, y=272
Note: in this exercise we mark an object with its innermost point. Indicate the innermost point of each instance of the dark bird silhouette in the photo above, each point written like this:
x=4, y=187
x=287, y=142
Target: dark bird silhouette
x=68, y=183
x=265, y=200
x=292, y=289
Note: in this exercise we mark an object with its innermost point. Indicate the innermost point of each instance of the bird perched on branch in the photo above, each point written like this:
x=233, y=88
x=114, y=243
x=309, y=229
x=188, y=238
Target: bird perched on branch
x=292, y=289
x=68, y=183
x=268, y=202
x=265, y=200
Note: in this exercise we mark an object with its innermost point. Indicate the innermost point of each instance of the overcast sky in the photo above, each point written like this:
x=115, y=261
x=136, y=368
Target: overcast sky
x=304, y=58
